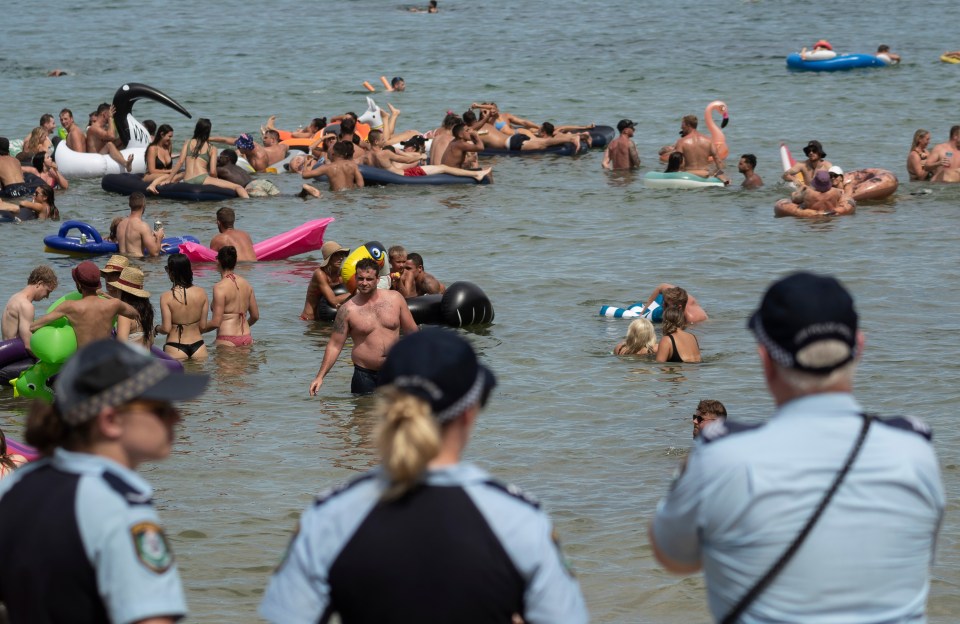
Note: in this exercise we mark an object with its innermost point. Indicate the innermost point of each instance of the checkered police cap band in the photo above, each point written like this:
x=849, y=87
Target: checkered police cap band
x=436, y=395
x=130, y=388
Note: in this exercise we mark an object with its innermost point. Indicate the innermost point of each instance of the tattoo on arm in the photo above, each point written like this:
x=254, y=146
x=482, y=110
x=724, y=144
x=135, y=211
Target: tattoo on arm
x=340, y=322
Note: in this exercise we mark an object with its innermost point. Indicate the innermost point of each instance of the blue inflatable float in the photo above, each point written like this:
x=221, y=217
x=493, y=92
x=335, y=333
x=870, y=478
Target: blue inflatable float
x=129, y=183
x=376, y=176
x=840, y=62
x=88, y=242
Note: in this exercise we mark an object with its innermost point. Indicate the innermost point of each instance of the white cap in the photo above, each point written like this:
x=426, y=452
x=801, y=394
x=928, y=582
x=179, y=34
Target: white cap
x=835, y=169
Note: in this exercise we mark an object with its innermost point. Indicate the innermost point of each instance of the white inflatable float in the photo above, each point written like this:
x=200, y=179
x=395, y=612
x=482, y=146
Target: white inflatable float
x=130, y=131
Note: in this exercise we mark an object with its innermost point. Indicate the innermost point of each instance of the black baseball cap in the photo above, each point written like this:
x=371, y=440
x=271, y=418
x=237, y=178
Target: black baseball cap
x=625, y=123
x=109, y=373
x=801, y=310
x=441, y=368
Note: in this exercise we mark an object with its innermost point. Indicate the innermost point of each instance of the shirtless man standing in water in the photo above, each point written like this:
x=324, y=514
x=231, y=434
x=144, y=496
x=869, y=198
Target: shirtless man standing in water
x=944, y=159
x=102, y=134
x=19, y=312
x=234, y=308
x=91, y=316
x=697, y=150
x=238, y=239
x=373, y=319
x=134, y=236
x=342, y=172
x=622, y=151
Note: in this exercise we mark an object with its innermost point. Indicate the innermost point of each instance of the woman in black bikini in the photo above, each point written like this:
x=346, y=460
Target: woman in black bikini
x=183, y=312
x=158, y=157
x=677, y=345
x=918, y=156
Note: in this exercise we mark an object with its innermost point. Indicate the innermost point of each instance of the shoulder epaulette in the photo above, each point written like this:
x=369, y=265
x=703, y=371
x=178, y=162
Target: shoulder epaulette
x=326, y=495
x=514, y=491
x=907, y=423
x=127, y=492
x=722, y=428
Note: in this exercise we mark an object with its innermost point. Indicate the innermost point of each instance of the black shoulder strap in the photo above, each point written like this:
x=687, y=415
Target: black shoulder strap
x=514, y=491
x=132, y=495
x=791, y=550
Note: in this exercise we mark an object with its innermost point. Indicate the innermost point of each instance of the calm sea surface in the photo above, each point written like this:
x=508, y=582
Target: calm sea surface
x=596, y=437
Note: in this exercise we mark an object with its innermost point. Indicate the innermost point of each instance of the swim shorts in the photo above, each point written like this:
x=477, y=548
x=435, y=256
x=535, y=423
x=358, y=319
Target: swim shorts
x=18, y=189
x=364, y=380
x=414, y=172
x=515, y=142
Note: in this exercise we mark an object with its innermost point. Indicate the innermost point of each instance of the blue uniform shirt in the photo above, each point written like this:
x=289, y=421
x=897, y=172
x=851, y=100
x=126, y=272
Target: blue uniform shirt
x=744, y=497
x=87, y=544
x=463, y=548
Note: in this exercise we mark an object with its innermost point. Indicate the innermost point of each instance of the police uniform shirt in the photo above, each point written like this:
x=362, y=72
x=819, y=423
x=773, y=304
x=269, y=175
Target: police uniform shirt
x=81, y=543
x=462, y=548
x=744, y=497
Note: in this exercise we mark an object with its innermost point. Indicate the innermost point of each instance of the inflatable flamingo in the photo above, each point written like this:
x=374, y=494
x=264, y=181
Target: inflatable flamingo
x=716, y=134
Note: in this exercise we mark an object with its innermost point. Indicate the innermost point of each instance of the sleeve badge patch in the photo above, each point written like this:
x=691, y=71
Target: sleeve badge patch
x=153, y=550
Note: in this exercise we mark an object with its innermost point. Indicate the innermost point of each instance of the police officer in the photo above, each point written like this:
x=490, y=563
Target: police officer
x=425, y=538
x=746, y=505
x=80, y=541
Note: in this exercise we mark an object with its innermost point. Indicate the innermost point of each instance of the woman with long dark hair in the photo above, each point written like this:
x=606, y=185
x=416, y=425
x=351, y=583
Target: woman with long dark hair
x=199, y=159
x=183, y=311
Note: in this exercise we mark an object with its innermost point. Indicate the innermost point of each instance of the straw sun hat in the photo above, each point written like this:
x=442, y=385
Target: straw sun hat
x=131, y=281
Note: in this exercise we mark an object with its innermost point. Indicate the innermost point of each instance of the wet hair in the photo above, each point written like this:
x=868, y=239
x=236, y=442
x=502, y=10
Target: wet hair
x=343, y=149
x=675, y=297
x=226, y=216
x=954, y=131
x=457, y=129
x=396, y=80
x=44, y=118
x=416, y=258
x=46, y=430
x=918, y=136
x=691, y=120
x=353, y=116
x=451, y=120
x=273, y=133
x=50, y=199
x=150, y=125
x=673, y=320
x=159, y=132
x=469, y=117
x=365, y=264
x=348, y=126
x=319, y=123
x=102, y=107
x=43, y=275
x=711, y=406
x=547, y=128
x=67, y=111
x=137, y=201
x=38, y=160
x=201, y=134
x=143, y=306
x=751, y=160
x=408, y=438
x=227, y=156
x=674, y=162
x=180, y=271
x=883, y=48
x=227, y=257
x=640, y=336
x=375, y=136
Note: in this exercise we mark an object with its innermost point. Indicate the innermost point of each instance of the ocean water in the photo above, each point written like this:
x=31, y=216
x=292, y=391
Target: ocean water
x=595, y=437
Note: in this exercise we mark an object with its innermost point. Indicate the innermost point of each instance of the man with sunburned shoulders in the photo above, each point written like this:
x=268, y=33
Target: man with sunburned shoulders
x=414, y=281
x=91, y=316
x=230, y=236
x=697, y=150
x=442, y=137
x=134, y=235
x=102, y=136
x=373, y=319
x=342, y=171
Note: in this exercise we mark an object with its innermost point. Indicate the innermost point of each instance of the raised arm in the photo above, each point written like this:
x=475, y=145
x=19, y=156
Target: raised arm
x=220, y=139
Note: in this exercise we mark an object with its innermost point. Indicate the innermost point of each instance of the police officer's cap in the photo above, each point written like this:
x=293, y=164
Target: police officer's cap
x=802, y=310
x=441, y=368
x=108, y=373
